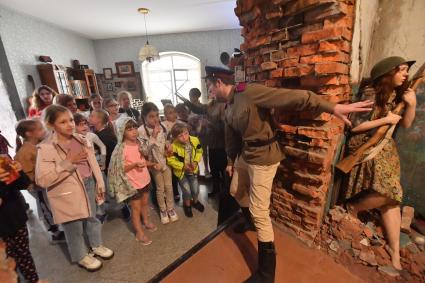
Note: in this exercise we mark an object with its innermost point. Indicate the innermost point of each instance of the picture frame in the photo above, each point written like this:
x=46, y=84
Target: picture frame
x=131, y=86
x=107, y=73
x=110, y=87
x=118, y=84
x=125, y=69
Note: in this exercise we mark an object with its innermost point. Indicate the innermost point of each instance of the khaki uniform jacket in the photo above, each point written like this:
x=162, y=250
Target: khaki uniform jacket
x=248, y=118
x=67, y=196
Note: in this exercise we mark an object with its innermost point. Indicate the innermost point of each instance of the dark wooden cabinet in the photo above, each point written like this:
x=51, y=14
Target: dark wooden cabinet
x=89, y=77
x=54, y=76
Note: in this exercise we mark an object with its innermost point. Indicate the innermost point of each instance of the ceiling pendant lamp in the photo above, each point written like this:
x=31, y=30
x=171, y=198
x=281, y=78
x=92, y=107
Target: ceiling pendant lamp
x=147, y=52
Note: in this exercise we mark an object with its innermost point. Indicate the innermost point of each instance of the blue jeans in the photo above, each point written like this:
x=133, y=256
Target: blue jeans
x=90, y=227
x=190, y=187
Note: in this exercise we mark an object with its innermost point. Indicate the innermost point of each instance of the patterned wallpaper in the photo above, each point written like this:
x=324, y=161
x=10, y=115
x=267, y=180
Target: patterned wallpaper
x=26, y=38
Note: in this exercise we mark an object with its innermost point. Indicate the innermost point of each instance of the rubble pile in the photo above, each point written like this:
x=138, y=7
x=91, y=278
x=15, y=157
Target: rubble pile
x=351, y=240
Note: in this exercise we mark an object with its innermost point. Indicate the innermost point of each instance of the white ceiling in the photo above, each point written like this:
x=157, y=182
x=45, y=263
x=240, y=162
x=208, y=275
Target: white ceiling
x=98, y=19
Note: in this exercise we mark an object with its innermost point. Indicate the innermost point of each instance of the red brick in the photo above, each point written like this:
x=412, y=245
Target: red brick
x=345, y=21
x=314, y=81
x=288, y=128
x=334, y=89
x=331, y=46
x=278, y=73
x=312, y=132
x=299, y=6
x=244, y=6
x=327, y=57
x=278, y=56
x=259, y=41
x=301, y=70
x=302, y=50
x=306, y=190
x=248, y=17
x=268, y=66
x=292, y=62
x=330, y=33
x=331, y=68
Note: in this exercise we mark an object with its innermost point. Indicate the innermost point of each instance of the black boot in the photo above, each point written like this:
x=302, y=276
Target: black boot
x=266, y=264
x=247, y=225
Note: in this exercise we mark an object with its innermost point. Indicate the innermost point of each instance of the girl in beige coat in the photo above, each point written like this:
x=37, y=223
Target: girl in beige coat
x=67, y=168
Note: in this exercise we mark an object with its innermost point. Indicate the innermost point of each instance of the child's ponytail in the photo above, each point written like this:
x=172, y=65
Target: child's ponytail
x=22, y=128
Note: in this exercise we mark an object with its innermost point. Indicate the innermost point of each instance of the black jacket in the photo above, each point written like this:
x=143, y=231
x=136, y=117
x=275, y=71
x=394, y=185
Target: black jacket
x=13, y=214
x=108, y=137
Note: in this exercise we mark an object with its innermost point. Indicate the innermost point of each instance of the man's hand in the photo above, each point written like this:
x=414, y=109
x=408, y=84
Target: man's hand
x=342, y=110
x=229, y=170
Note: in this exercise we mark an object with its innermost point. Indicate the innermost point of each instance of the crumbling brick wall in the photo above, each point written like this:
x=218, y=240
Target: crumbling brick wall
x=312, y=53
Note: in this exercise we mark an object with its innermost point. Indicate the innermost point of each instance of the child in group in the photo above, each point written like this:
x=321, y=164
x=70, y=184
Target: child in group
x=182, y=113
x=32, y=132
x=41, y=98
x=13, y=219
x=124, y=99
x=67, y=168
x=82, y=128
x=171, y=119
x=154, y=140
x=112, y=107
x=99, y=120
x=187, y=152
x=67, y=101
x=95, y=102
x=129, y=179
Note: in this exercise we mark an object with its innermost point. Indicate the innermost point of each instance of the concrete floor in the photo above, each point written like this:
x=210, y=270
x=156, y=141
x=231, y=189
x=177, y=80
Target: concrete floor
x=132, y=262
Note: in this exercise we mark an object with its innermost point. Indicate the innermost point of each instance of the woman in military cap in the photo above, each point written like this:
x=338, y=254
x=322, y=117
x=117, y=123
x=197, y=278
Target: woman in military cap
x=375, y=183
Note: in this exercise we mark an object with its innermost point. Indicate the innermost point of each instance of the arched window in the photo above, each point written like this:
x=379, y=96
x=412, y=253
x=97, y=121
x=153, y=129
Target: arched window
x=174, y=73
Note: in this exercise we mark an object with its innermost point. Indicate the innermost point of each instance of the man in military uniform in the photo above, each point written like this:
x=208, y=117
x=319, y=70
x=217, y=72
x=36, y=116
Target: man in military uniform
x=253, y=150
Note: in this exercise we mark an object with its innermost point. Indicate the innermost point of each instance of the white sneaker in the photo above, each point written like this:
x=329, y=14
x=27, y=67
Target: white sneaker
x=164, y=217
x=173, y=215
x=103, y=252
x=90, y=263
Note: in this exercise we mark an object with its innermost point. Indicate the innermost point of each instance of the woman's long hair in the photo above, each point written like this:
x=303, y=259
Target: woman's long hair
x=384, y=88
x=36, y=101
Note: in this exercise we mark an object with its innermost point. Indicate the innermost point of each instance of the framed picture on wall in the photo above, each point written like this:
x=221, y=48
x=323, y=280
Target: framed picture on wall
x=107, y=72
x=125, y=69
x=118, y=84
x=131, y=86
x=109, y=87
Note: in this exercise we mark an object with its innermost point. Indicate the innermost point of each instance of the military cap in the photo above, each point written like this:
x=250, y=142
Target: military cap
x=218, y=72
x=386, y=65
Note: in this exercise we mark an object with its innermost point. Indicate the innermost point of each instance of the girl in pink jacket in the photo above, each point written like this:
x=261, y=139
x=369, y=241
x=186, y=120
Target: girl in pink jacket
x=66, y=166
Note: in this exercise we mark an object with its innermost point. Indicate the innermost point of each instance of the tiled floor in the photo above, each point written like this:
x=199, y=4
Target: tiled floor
x=132, y=262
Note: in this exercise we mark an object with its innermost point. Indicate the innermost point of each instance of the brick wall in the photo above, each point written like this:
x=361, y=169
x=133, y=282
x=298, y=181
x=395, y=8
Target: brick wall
x=313, y=54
